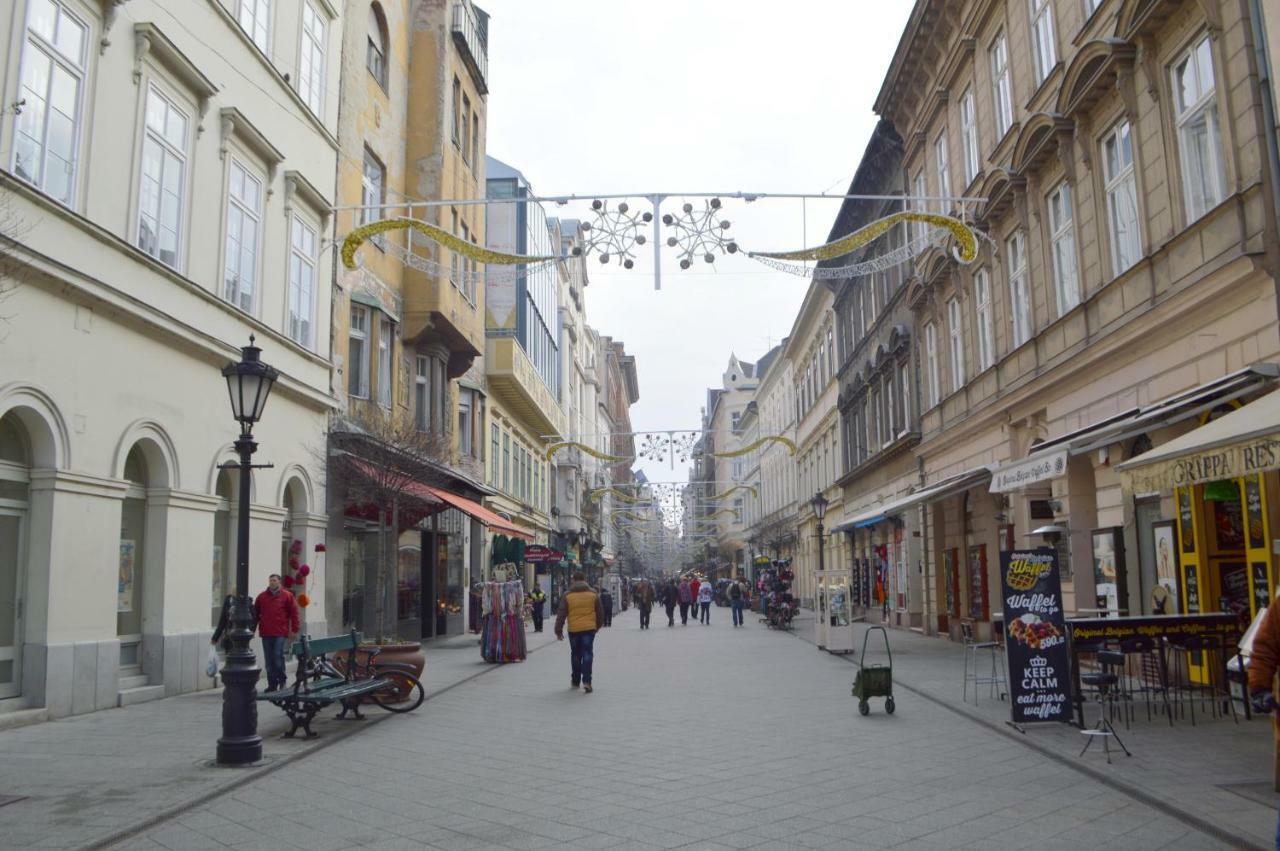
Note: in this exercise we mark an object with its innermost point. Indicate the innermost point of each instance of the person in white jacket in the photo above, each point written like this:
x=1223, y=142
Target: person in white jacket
x=705, y=590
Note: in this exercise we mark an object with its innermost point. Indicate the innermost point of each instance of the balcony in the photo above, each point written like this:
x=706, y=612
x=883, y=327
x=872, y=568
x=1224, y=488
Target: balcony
x=469, y=34
x=515, y=382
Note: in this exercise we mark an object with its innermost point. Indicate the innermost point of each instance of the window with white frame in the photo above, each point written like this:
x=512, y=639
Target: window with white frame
x=1019, y=291
x=921, y=206
x=1002, y=95
x=244, y=220
x=944, y=171
x=969, y=135
x=955, y=328
x=311, y=59
x=1199, y=135
x=455, y=106
x=384, y=362
x=466, y=129
x=465, y=422
x=931, y=363
x=892, y=413
x=255, y=18
x=986, y=329
x=1066, y=284
x=373, y=188
x=358, y=352
x=494, y=454
x=422, y=396
x=376, y=50
x=162, y=194
x=302, y=280
x=48, y=124
x=1044, y=52
x=904, y=400
x=1122, y=198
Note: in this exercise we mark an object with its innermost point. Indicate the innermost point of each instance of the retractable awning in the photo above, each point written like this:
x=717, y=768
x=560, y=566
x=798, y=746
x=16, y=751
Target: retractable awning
x=494, y=521
x=1241, y=443
x=941, y=490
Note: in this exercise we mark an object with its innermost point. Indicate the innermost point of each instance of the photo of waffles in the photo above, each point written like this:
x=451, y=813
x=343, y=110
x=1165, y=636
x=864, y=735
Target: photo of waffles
x=1034, y=632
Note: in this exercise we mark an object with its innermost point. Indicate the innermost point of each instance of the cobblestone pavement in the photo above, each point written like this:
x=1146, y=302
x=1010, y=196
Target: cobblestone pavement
x=697, y=737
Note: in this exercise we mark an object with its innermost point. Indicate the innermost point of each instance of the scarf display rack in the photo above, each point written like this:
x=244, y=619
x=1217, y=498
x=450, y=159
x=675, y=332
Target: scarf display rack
x=502, y=621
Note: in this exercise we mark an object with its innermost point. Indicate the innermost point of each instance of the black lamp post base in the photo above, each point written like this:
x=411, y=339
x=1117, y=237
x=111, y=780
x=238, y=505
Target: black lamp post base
x=240, y=743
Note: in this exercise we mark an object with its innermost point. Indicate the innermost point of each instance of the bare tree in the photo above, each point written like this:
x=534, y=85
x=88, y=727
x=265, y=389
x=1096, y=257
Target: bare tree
x=380, y=461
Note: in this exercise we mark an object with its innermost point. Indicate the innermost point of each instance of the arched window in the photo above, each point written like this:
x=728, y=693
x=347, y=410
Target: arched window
x=378, y=41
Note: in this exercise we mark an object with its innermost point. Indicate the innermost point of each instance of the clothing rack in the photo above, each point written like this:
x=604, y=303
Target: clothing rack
x=502, y=619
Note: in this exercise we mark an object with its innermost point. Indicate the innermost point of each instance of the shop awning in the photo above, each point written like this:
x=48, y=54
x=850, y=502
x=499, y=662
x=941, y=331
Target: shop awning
x=1049, y=460
x=941, y=490
x=1243, y=442
x=479, y=512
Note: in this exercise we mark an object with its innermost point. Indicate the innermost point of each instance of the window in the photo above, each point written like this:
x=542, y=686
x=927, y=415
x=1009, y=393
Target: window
x=1122, y=198
x=1066, y=286
x=358, y=352
x=956, y=329
x=311, y=60
x=302, y=280
x=1003, y=94
x=506, y=462
x=454, y=257
x=892, y=412
x=944, y=172
x=465, y=443
x=456, y=106
x=44, y=151
x=904, y=400
x=164, y=164
x=986, y=334
x=475, y=138
x=1043, y=50
x=831, y=363
x=969, y=135
x=373, y=188
x=466, y=129
x=735, y=418
x=255, y=18
x=493, y=455
x=920, y=191
x=931, y=362
x=1199, y=138
x=376, y=54
x=240, y=275
x=384, y=362
x=1019, y=296
x=422, y=395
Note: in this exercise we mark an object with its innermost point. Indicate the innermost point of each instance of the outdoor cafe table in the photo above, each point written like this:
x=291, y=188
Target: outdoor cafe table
x=1094, y=631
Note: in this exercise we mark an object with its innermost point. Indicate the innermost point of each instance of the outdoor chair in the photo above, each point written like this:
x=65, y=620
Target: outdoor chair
x=1105, y=682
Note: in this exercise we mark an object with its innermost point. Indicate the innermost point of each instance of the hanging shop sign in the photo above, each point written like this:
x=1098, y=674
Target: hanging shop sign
x=1257, y=455
x=1029, y=471
x=538, y=554
x=1036, y=636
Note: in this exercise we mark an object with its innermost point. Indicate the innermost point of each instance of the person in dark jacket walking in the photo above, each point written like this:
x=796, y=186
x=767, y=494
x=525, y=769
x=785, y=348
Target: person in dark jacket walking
x=224, y=623
x=537, y=602
x=686, y=597
x=670, y=596
x=606, y=603
x=277, y=615
x=644, y=601
x=581, y=610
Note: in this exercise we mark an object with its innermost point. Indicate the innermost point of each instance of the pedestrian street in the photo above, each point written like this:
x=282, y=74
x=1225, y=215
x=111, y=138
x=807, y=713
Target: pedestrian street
x=697, y=737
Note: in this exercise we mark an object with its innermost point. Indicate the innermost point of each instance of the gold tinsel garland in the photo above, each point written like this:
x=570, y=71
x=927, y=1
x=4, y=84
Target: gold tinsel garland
x=594, y=495
x=966, y=240
x=594, y=453
x=723, y=494
x=772, y=438
x=454, y=243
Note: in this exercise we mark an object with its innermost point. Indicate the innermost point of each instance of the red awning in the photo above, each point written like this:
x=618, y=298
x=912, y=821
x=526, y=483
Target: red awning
x=479, y=512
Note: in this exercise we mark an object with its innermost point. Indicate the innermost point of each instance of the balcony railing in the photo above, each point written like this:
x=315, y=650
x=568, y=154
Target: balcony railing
x=475, y=53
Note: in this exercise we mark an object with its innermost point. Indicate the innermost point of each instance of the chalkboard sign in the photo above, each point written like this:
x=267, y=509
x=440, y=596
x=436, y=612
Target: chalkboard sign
x=1192, y=588
x=1235, y=587
x=1261, y=588
x=1253, y=513
x=1035, y=636
x=1185, y=525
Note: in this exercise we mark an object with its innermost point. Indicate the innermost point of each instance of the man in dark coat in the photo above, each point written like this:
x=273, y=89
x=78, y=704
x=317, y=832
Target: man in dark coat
x=670, y=597
x=537, y=602
x=644, y=601
x=606, y=601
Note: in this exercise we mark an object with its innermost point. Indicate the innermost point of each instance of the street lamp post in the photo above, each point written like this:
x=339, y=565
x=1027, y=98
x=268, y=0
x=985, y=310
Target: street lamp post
x=819, y=503
x=249, y=384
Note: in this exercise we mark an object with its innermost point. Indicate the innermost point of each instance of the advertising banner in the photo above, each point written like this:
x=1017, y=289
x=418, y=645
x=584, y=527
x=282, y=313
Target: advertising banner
x=1035, y=636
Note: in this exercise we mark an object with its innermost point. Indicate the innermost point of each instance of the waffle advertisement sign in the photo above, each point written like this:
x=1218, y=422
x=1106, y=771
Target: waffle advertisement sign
x=1035, y=636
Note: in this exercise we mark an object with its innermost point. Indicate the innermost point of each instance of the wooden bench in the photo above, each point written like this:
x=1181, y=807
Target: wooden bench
x=313, y=690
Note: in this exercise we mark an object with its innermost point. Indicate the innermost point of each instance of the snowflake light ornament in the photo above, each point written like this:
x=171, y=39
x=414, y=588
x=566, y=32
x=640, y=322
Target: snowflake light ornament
x=700, y=233
x=615, y=233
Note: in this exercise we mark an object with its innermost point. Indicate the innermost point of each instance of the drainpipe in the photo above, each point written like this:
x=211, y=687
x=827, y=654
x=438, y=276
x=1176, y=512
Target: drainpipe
x=1266, y=84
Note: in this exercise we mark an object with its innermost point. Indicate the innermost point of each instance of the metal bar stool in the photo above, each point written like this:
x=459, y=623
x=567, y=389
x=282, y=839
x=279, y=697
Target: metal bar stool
x=997, y=677
x=1106, y=682
x=1151, y=677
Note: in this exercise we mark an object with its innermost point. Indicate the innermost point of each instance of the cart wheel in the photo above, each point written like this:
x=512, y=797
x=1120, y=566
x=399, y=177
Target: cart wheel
x=864, y=708
x=888, y=705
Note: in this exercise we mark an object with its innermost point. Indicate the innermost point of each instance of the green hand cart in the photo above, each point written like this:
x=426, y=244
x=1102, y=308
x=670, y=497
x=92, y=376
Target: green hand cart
x=874, y=680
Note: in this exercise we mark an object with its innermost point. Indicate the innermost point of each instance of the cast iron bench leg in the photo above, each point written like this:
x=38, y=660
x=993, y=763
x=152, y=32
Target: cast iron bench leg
x=352, y=706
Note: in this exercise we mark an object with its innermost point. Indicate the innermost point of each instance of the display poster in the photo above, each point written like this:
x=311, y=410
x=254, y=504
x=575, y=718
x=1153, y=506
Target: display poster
x=1235, y=588
x=949, y=574
x=1039, y=677
x=1104, y=570
x=1228, y=524
x=124, y=587
x=1253, y=508
x=1165, y=602
x=978, y=582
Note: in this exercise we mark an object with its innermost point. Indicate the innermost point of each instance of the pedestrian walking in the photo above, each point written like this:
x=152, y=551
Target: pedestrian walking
x=643, y=596
x=537, y=602
x=582, y=611
x=705, y=591
x=224, y=623
x=277, y=615
x=670, y=596
x=694, y=584
x=685, y=590
x=606, y=602
x=737, y=599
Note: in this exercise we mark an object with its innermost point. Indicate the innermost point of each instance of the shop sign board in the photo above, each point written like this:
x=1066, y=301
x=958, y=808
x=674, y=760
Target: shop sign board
x=1093, y=630
x=1029, y=471
x=1257, y=455
x=538, y=554
x=1035, y=636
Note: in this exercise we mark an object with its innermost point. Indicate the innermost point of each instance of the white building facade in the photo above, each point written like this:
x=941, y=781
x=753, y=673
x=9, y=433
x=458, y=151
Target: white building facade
x=167, y=173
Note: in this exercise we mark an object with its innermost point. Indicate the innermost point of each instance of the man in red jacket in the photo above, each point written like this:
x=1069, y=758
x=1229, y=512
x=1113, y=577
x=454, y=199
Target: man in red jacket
x=277, y=617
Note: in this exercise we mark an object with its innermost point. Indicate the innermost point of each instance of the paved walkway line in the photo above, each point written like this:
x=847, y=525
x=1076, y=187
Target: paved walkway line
x=251, y=775
x=1138, y=794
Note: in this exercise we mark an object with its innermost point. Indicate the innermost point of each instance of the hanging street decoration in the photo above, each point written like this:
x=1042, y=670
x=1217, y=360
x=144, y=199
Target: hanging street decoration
x=614, y=233
x=724, y=494
x=769, y=438
x=966, y=250
x=597, y=493
x=700, y=234
x=455, y=244
x=594, y=453
x=673, y=445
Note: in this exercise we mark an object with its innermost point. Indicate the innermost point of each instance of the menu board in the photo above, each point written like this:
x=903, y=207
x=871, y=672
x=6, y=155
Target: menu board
x=1261, y=589
x=1253, y=508
x=1235, y=588
x=1035, y=636
x=1186, y=524
x=1192, y=585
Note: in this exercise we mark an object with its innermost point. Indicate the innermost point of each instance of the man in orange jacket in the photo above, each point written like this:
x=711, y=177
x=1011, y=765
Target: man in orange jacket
x=1264, y=659
x=582, y=609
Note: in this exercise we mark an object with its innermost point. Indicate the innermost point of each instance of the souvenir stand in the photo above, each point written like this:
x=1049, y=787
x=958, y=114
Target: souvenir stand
x=833, y=627
x=502, y=616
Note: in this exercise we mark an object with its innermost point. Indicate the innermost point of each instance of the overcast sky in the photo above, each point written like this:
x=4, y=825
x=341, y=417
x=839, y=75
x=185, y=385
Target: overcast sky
x=603, y=96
